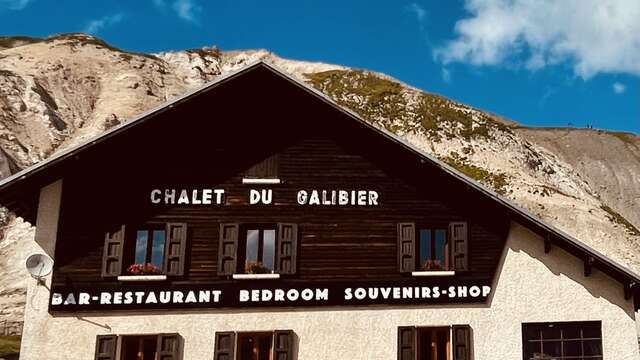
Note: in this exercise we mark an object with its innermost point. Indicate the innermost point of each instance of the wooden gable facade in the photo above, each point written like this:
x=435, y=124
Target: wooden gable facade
x=259, y=132
x=259, y=125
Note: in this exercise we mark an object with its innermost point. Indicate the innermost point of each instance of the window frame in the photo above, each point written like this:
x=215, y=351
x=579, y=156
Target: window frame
x=117, y=352
x=245, y=334
x=131, y=241
x=241, y=266
x=581, y=324
x=433, y=227
x=150, y=229
x=433, y=329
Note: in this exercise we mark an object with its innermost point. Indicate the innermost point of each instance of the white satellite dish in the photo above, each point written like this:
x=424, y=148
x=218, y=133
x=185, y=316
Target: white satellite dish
x=39, y=265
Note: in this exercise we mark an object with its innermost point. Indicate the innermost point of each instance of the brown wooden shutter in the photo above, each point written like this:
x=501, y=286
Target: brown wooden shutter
x=458, y=236
x=112, y=252
x=406, y=247
x=228, y=248
x=225, y=346
x=266, y=169
x=461, y=342
x=169, y=347
x=406, y=343
x=283, y=341
x=175, y=249
x=106, y=347
x=286, y=248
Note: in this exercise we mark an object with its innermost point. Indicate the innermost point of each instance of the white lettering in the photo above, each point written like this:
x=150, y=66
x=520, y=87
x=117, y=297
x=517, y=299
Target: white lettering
x=206, y=196
x=155, y=196
x=83, y=298
x=56, y=299
x=105, y=298
x=254, y=196
x=244, y=295
x=302, y=197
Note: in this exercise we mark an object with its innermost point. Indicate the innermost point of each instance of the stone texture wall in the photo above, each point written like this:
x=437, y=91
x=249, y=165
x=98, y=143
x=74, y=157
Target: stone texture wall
x=531, y=287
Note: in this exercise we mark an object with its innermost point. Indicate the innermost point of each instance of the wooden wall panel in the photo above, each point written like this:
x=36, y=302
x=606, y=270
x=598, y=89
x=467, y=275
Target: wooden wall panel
x=335, y=242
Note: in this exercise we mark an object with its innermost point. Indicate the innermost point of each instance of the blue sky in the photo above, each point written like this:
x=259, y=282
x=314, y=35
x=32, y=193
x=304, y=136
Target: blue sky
x=538, y=62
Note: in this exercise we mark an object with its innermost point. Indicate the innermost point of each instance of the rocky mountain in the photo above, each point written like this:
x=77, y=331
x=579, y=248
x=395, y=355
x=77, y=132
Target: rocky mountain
x=59, y=91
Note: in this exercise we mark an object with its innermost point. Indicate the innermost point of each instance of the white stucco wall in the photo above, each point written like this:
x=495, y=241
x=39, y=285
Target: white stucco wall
x=531, y=287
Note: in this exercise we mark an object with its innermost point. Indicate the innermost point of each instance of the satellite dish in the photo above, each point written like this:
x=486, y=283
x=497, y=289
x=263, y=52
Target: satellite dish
x=39, y=265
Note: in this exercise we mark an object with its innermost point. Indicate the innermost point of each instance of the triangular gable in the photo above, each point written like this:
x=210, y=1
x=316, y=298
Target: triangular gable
x=19, y=192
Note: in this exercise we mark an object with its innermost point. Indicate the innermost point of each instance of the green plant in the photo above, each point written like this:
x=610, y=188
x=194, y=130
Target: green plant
x=256, y=267
x=497, y=181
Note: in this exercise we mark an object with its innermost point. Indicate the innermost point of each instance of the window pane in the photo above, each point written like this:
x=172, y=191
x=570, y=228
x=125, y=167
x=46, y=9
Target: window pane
x=592, y=331
x=572, y=348
x=551, y=348
x=157, y=251
x=425, y=248
x=269, y=249
x=592, y=347
x=551, y=331
x=440, y=259
x=252, y=247
x=532, y=349
x=142, y=236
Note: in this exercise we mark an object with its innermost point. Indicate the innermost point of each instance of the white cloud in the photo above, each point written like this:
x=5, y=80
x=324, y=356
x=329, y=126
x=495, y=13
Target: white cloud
x=618, y=88
x=187, y=10
x=14, y=4
x=94, y=26
x=593, y=36
x=446, y=75
x=417, y=10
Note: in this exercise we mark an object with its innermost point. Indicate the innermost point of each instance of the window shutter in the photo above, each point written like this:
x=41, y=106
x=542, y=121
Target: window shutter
x=406, y=343
x=225, y=346
x=175, y=249
x=266, y=169
x=461, y=342
x=406, y=247
x=228, y=248
x=106, y=347
x=169, y=347
x=286, y=248
x=459, y=245
x=283, y=344
x=112, y=252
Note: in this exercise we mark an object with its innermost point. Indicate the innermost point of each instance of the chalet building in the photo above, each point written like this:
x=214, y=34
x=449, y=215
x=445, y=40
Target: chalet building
x=256, y=219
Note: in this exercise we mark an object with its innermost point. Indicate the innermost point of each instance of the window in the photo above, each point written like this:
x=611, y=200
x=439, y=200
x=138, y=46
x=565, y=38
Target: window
x=259, y=249
x=273, y=246
x=562, y=340
x=145, y=250
x=434, y=343
x=139, y=347
x=254, y=346
x=267, y=345
x=150, y=247
x=433, y=249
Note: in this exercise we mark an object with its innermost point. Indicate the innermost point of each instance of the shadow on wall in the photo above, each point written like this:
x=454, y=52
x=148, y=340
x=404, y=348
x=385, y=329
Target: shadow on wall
x=560, y=262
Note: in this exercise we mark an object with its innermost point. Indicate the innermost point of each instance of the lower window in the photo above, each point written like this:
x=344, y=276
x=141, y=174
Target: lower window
x=268, y=345
x=254, y=346
x=139, y=347
x=434, y=343
x=562, y=340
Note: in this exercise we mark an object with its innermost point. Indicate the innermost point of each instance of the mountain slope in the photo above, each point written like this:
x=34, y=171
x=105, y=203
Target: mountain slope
x=60, y=91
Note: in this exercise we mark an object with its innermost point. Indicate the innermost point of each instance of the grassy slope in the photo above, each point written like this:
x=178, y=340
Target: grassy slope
x=9, y=345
